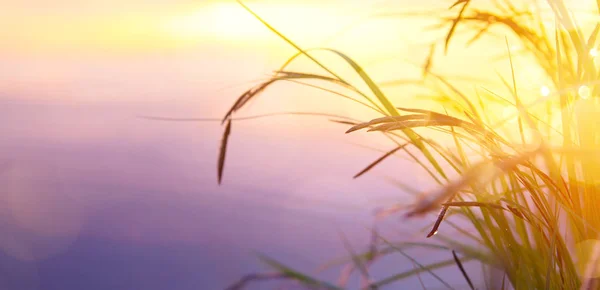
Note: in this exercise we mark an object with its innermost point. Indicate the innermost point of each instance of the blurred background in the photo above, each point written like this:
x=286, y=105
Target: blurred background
x=96, y=197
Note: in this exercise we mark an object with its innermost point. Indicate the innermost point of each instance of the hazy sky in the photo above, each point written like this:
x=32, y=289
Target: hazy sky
x=143, y=25
x=97, y=197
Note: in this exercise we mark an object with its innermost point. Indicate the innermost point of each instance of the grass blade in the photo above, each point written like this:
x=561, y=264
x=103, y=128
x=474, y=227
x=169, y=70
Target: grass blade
x=290, y=42
x=223, y=152
x=438, y=222
x=457, y=3
x=358, y=263
x=455, y=22
x=423, y=268
x=407, y=274
x=240, y=284
x=295, y=275
x=473, y=203
x=428, y=61
x=474, y=174
x=462, y=270
x=391, y=110
x=379, y=160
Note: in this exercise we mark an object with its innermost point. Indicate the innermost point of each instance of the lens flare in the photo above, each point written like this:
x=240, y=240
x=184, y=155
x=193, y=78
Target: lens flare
x=545, y=91
x=584, y=92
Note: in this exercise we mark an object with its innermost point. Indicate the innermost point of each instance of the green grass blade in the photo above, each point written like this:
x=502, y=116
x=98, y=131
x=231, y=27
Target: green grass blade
x=400, y=276
x=296, y=275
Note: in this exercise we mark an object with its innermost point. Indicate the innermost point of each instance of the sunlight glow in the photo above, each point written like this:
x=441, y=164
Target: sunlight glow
x=510, y=113
x=220, y=20
x=557, y=121
x=230, y=21
x=544, y=91
x=594, y=52
x=582, y=251
x=584, y=92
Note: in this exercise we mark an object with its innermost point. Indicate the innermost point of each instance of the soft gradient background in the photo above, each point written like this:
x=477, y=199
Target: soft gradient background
x=95, y=197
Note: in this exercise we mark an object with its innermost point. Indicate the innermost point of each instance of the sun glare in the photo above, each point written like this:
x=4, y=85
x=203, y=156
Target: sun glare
x=544, y=91
x=220, y=20
x=230, y=21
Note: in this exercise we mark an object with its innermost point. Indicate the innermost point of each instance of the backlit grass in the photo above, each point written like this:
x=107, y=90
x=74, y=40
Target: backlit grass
x=531, y=202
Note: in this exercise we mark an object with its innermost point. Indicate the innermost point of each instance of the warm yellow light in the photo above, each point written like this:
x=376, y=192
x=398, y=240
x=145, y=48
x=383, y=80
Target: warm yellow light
x=230, y=21
x=510, y=113
x=584, y=92
x=556, y=122
x=594, y=52
x=583, y=252
x=544, y=91
x=222, y=20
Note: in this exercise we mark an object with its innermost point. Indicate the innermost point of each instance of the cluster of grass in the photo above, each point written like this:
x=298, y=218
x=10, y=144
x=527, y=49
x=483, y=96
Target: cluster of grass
x=531, y=203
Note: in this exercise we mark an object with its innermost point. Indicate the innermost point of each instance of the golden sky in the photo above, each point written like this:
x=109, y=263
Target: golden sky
x=136, y=24
x=145, y=25
x=40, y=40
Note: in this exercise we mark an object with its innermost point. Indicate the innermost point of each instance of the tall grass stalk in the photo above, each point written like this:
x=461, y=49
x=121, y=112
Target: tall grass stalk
x=532, y=204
